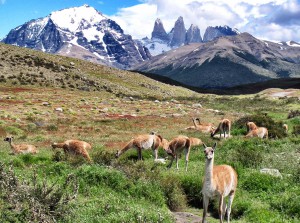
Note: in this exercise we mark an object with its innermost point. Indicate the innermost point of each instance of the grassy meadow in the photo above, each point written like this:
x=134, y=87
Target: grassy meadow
x=49, y=187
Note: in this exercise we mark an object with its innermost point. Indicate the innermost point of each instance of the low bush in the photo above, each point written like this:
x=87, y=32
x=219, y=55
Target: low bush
x=296, y=130
x=34, y=200
x=258, y=182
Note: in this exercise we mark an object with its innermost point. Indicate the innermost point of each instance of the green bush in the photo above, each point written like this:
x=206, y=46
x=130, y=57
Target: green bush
x=296, y=130
x=258, y=182
x=103, y=157
x=13, y=130
x=175, y=197
x=34, y=200
x=288, y=203
x=192, y=186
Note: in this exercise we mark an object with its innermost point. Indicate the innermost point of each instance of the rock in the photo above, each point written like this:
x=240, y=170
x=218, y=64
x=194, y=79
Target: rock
x=176, y=115
x=197, y=105
x=104, y=110
x=163, y=161
x=45, y=103
x=273, y=172
x=156, y=101
x=59, y=109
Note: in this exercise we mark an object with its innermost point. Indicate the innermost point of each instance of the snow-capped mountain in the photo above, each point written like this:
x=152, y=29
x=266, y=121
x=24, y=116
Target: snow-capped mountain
x=212, y=33
x=161, y=41
x=80, y=32
x=226, y=61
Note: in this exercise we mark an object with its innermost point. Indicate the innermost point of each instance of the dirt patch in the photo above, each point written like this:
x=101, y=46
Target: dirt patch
x=186, y=217
x=14, y=90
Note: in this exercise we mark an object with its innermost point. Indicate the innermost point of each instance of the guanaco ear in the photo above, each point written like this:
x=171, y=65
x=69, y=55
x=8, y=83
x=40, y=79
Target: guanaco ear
x=214, y=146
x=204, y=146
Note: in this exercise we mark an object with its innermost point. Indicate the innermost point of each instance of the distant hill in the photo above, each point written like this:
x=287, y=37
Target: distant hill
x=22, y=66
x=227, y=61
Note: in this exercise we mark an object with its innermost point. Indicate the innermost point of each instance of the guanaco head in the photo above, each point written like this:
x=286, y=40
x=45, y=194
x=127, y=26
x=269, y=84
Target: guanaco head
x=117, y=154
x=164, y=144
x=251, y=126
x=8, y=139
x=56, y=145
x=209, y=151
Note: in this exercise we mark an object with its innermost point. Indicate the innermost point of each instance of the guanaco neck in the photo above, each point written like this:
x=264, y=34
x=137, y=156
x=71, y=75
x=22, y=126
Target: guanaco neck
x=12, y=145
x=209, y=165
x=195, y=124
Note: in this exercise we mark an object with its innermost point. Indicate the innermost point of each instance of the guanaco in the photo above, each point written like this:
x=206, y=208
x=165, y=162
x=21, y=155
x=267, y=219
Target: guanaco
x=176, y=147
x=223, y=127
x=20, y=148
x=254, y=131
x=141, y=142
x=220, y=181
x=74, y=147
x=202, y=127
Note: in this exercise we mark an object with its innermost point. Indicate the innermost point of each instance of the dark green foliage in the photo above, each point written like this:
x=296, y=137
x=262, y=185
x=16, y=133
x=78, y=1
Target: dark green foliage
x=288, y=203
x=261, y=120
x=296, y=130
x=293, y=114
x=103, y=157
x=175, y=197
x=52, y=127
x=34, y=200
x=247, y=153
x=258, y=182
x=192, y=186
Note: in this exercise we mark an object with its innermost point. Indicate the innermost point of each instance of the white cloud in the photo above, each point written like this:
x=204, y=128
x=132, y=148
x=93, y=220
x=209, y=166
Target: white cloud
x=270, y=19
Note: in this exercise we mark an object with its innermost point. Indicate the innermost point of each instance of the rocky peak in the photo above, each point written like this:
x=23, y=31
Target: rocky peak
x=159, y=31
x=178, y=33
x=212, y=33
x=193, y=35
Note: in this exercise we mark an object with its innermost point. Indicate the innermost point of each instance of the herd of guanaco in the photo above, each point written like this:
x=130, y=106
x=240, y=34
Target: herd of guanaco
x=219, y=180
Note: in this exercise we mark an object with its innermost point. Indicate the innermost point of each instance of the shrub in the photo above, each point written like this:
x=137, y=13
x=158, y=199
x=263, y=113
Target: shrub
x=191, y=185
x=52, y=127
x=257, y=182
x=175, y=198
x=296, y=130
x=103, y=157
x=14, y=130
x=293, y=113
x=34, y=201
x=288, y=203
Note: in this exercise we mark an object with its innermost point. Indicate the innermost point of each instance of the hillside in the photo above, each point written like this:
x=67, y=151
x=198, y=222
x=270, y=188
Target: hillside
x=28, y=67
x=226, y=62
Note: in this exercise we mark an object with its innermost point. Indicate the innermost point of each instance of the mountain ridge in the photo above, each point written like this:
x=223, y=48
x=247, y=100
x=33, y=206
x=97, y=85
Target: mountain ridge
x=63, y=31
x=226, y=62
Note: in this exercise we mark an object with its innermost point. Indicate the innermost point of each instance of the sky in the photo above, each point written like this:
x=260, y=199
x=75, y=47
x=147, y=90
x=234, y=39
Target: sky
x=275, y=20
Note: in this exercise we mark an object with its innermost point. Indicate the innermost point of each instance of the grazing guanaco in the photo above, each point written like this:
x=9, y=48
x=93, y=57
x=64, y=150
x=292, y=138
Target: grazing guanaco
x=75, y=147
x=20, y=148
x=223, y=127
x=220, y=181
x=141, y=142
x=254, y=131
x=176, y=147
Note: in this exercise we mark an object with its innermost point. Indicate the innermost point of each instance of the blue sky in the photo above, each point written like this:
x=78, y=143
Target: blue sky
x=275, y=20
